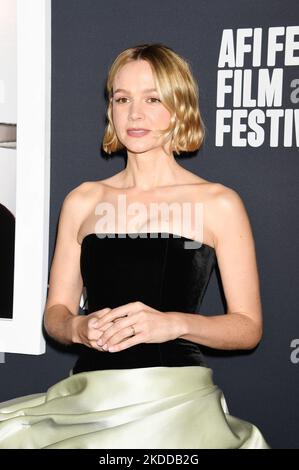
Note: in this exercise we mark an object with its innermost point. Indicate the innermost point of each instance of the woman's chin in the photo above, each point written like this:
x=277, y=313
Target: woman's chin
x=138, y=148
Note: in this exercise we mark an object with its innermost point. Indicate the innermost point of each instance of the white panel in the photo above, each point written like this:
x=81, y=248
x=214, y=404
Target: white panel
x=8, y=61
x=23, y=334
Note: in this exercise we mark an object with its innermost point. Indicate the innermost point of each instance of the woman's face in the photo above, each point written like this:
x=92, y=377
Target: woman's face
x=136, y=108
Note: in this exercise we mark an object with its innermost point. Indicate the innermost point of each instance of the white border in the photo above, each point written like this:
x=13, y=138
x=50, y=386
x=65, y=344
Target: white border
x=23, y=334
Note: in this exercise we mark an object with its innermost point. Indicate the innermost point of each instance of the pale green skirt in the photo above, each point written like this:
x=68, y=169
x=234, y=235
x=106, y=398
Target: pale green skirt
x=142, y=408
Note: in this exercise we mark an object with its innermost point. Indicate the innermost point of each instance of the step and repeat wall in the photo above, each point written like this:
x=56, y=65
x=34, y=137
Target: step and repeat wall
x=245, y=56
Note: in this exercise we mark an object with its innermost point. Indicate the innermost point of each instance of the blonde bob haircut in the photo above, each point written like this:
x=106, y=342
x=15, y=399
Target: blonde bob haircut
x=178, y=92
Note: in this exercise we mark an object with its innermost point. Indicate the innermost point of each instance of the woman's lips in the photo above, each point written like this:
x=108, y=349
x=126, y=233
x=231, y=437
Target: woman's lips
x=137, y=132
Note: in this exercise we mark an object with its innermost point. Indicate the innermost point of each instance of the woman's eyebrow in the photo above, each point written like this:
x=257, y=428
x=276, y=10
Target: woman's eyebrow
x=126, y=91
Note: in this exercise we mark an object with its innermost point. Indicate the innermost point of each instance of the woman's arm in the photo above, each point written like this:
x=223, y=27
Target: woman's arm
x=61, y=318
x=241, y=327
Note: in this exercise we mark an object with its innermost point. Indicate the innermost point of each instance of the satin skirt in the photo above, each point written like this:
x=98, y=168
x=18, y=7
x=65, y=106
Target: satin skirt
x=141, y=408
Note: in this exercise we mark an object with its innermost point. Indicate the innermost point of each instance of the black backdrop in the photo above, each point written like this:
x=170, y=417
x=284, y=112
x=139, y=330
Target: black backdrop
x=260, y=386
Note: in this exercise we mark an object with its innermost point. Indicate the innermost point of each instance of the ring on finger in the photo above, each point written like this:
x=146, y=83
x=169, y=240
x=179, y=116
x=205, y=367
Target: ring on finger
x=133, y=330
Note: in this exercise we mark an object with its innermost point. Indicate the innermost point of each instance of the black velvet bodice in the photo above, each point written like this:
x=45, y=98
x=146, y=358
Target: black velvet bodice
x=165, y=271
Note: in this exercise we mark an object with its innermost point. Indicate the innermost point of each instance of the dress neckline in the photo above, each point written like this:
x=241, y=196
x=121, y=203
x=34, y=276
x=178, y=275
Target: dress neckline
x=116, y=236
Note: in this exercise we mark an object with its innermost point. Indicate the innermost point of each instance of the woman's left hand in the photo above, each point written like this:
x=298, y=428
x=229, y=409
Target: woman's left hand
x=150, y=326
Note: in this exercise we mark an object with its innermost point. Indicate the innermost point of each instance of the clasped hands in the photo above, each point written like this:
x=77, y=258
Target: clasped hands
x=111, y=329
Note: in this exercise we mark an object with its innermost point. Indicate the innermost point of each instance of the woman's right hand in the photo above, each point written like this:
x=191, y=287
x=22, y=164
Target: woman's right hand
x=84, y=331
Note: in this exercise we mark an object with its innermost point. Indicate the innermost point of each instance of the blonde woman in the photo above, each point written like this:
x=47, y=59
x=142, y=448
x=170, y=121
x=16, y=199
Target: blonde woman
x=144, y=243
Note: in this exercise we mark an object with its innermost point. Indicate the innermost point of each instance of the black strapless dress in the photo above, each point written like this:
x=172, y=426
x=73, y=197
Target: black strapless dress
x=149, y=396
x=165, y=271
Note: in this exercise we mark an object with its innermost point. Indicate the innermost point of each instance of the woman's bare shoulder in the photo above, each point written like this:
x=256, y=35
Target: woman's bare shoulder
x=79, y=200
x=224, y=197
x=221, y=206
x=85, y=191
x=205, y=190
x=206, y=187
x=215, y=192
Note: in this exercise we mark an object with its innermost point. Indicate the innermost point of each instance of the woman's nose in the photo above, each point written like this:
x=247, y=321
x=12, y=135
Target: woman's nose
x=136, y=110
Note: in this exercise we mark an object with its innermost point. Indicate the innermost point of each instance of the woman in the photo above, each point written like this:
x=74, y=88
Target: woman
x=144, y=243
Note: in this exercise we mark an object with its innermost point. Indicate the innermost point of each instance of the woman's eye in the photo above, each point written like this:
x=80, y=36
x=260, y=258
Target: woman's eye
x=119, y=100
x=155, y=99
